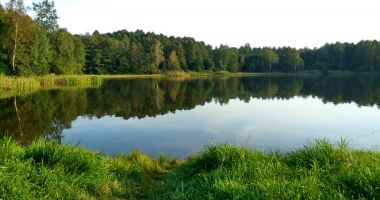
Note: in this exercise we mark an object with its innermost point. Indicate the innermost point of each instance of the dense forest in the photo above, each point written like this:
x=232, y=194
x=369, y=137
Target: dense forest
x=39, y=46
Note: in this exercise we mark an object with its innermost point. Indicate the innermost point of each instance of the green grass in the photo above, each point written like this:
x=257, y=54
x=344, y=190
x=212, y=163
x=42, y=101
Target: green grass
x=45, y=170
x=317, y=171
x=15, y=85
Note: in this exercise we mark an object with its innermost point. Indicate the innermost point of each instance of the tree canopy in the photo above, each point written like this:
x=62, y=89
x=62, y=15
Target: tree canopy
x=37, y=46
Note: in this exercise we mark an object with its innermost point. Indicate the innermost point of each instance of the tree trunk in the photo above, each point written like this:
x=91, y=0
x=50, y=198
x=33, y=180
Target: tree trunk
x=270, y=66
x=15, y=46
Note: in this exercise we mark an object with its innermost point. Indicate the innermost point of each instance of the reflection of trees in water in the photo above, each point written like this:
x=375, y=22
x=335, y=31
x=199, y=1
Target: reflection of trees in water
x=18, y=117
x=47, y=113
x=55, y=132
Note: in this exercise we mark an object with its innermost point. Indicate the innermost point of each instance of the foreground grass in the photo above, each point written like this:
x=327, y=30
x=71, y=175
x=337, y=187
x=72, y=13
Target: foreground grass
x=317, y=171
x=45, y=170
x=11, y=85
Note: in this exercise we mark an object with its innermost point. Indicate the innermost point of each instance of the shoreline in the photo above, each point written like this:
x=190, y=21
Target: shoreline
x=21, y=85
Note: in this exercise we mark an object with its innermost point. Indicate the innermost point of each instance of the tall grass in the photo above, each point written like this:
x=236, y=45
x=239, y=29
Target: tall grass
x=45, y=170
x=318, y=171
x=10, y=86
x=18, y=84
x=70, y=80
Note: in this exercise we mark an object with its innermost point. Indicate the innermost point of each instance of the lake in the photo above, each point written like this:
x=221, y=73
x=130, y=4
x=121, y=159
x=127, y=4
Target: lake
x=181, y=116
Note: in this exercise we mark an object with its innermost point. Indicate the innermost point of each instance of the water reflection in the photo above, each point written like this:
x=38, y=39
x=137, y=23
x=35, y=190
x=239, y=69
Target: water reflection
x=180, y=116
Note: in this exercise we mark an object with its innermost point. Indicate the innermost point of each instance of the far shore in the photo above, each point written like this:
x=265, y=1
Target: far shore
x=20, y=85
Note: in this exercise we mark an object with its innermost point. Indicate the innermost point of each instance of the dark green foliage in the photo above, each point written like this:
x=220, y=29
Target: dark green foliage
x=226, y=59
x=363, y=56
x=135, y=52
x=39, y=53
x=4, y=69
x=68, y=56
x=290, y=59
x=29, y=47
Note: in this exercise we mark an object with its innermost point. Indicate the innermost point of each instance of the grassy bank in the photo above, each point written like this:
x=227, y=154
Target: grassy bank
x=45, y=170
x=10, y=85
x=317, y=171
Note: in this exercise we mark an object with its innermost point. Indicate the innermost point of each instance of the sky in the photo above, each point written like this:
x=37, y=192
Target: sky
x=296, y=23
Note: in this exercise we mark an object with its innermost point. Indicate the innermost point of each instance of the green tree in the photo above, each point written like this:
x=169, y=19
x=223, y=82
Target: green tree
x=365, y=56
x=93, y=64
x=290, y=59
x=46, y=15
x=26, y=43
x=233, y=62
x=136, y=53
x=226, y=58
x=39, y=52
x=181, y=54
x=3, y=39
x=249, y=63
x=209, y=64
x=65, y=60
x=173, y=63
x=244, y=52
x=17, y=27
x=156, y=55
x=79, y=56
x=270, y=58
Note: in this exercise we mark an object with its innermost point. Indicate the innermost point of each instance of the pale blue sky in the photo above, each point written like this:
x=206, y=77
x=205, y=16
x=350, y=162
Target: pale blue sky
x=296, y=23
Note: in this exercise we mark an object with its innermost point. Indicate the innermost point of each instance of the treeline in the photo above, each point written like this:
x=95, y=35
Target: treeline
x=139, y=52
x=39, y=46
x=363, y=56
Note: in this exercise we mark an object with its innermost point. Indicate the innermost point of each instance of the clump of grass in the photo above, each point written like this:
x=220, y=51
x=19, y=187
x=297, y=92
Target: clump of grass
x=219, y=156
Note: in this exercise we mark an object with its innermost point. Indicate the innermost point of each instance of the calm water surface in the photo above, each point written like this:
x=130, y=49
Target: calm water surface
x=178, y=117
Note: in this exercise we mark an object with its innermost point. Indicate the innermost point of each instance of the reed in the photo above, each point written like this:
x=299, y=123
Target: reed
x=12, y=86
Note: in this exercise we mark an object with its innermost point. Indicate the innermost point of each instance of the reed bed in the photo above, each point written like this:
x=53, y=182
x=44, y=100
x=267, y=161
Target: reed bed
x=12, y=86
